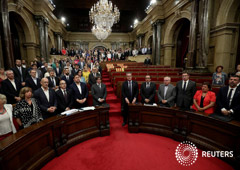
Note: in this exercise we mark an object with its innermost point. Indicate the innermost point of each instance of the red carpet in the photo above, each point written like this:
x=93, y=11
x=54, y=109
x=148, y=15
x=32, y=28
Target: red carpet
x=124, y=151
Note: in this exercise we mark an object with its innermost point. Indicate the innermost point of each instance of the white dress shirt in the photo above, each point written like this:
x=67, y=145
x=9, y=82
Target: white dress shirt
x=13, y=83
x=79, y=88
x=186, y=84
x=46, y=92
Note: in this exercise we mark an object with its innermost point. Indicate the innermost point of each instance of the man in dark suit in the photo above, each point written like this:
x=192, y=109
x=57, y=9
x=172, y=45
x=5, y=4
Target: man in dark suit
x=58, y=70
x=129, y=95
x=166, y=93
x=20, y=73
x=47, y=100
x=147, y=61
x=75, y=70
x=81, y=63
x=33, y=82
x=148, y=91
x=99, y=92
x=228, y=99
x=67, y=77
x=80, y=92
x=38, y=72
x=53, y=81
x=93, y=76
x=11, y=88
x=185, y=90
x=64, y=98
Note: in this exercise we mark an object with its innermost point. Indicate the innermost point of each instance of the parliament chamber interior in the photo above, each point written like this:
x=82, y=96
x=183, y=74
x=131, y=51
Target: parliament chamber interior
x=120, y=85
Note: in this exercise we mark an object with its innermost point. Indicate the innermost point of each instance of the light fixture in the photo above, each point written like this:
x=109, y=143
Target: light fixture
x=63, y=19
x=153, y=2
x=101, y=33
x=103, y=15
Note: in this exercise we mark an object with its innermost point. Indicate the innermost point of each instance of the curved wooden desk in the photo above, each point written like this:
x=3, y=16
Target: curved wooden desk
x=205, y=132
x=33, y=147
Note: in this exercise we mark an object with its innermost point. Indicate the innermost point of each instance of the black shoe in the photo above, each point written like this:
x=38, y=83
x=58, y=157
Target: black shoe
x=124, y=123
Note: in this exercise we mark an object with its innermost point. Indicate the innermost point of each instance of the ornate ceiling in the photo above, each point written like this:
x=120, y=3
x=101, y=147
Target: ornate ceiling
x=76, y=13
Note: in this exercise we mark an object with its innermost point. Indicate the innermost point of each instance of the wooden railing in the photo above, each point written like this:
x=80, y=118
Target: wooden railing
x=33, y=147
x=205, y=132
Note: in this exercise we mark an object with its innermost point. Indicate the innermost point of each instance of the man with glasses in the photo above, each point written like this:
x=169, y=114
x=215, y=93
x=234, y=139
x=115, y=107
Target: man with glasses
x=148, y=91
x=185, y=91
x=64, y=97
x=166, y=93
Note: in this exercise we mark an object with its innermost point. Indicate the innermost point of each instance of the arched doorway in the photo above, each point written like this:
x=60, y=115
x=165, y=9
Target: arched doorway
x=99, y=48
x=182, y=41
x=18, y=36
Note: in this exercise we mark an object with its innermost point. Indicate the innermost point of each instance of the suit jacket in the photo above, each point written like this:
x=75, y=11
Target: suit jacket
x=92, y=79
x=223, y=103
x=44, y=104
x=147, y=61
x=17, y=74
x=98, y=93
x=73, y=73
x=77, y=95
x=170, y=94
x=62, y=104
x=69, y=81
x=10, y=91
x=58, y=74
x=210, y=97
x=185, y=98
x=30, y=83
x=50, y=83
x=43, y=70
x=126, y=93
x=148, y=93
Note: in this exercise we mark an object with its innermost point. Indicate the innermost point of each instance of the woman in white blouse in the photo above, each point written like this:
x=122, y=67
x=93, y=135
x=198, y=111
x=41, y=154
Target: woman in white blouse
x=6, y=123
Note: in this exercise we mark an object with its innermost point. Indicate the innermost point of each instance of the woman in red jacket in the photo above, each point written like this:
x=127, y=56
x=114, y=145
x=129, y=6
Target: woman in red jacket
x=204, y=100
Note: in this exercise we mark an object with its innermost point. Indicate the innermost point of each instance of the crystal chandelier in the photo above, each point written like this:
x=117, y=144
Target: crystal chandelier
x=101, y=33
x=103, y=15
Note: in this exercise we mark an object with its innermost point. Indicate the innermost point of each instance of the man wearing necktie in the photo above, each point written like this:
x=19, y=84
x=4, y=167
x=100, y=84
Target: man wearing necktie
x=92, y=76
x=129, y=95
x=185, y=91
x=228, y=99
x=99, y=92
x=53, y=81
x=148, y=91
x=64, y=97
x=33, y=82
x=20, y=73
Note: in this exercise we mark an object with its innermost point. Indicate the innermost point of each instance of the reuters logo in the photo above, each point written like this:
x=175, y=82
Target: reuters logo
x=186, y=153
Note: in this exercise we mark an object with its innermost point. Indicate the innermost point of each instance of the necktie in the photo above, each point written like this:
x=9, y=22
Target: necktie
x=130, y=87
x=99, y=85
x=20, y=70
x=148, y=85
x=65, y=95
x=53, y=82
x=184, y=87
x=165, y=92
x=67, y=78
x=229, y=97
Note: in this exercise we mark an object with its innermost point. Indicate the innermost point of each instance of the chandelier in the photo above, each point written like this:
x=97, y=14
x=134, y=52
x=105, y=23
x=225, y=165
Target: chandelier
x=100, y=32
x=103, y=15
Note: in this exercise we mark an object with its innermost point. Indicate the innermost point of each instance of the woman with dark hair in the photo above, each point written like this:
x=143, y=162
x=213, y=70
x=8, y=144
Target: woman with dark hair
x=219, y=77
x=27, y=111
x=204, y=100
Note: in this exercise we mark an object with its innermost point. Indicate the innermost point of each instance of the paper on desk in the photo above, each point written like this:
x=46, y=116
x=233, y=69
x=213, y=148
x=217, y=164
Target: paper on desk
x=154, y=104
x=88, y=108
x=69, y=112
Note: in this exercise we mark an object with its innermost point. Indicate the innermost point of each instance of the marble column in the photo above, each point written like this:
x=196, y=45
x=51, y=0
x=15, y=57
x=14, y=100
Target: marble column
x=158, y=42
x=192, y=48
x=204, y=34
x=41, y=29
x=154, y=43
x=47, y=51
x=58, y=35
x=7, y=47
x=140, y=41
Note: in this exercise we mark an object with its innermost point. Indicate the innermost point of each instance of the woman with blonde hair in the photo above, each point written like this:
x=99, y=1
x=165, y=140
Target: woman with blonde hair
x=6, y=122
x=27, y=111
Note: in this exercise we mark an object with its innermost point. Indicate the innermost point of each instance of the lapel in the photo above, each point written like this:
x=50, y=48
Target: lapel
x=162, y=90
x=62, y=96
x=76, y=88
x=12, y=85
x=33, y=82
x=43, y=94
x=168, y=91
